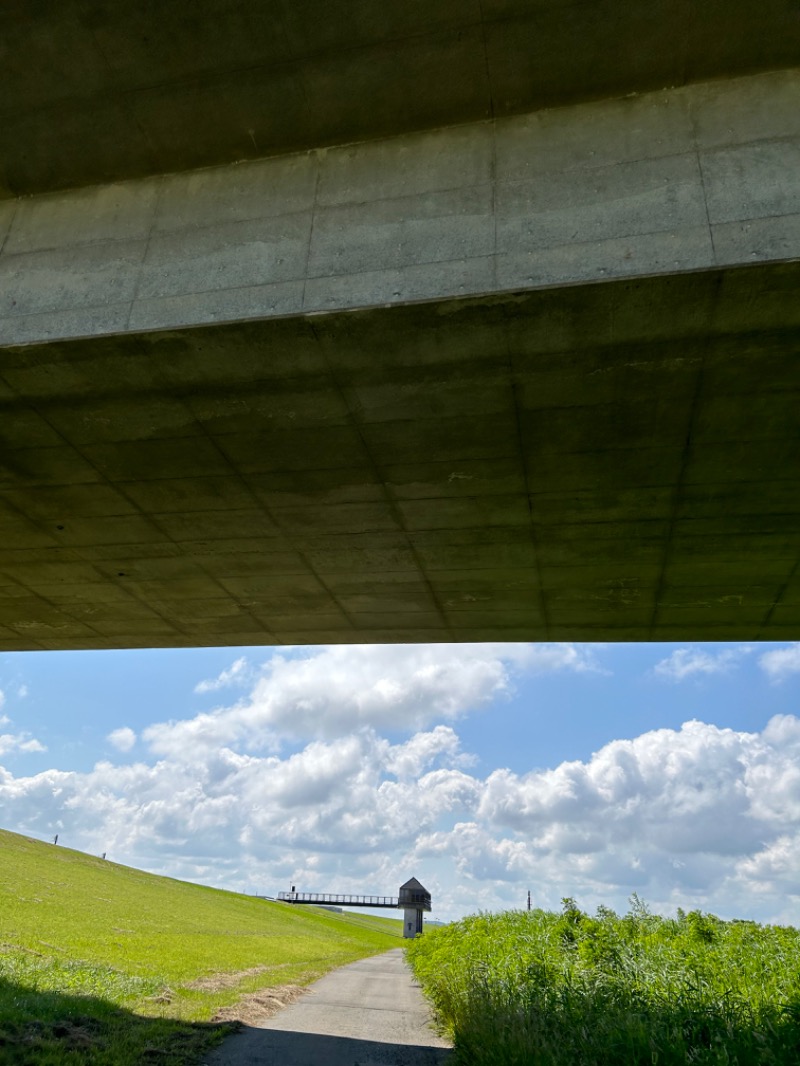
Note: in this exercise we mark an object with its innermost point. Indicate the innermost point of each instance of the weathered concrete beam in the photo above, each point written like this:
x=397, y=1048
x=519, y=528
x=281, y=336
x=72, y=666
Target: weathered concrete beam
x=689, y=179
x=98, y=90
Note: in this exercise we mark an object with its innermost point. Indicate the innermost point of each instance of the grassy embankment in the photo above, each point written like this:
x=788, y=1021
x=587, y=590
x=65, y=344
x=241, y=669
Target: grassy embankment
x=544, y=989
x=102, y=964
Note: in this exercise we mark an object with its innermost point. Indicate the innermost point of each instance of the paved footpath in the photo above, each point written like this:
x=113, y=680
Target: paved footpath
x=370, y=1013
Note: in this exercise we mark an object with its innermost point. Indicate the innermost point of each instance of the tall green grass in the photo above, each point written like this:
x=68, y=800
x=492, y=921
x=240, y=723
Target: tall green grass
x=546, y=989
x=103, y=964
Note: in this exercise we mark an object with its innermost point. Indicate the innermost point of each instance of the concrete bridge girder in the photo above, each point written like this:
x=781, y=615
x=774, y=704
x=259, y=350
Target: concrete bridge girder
x=584, y=428
x=688, y=179
x=97, y=91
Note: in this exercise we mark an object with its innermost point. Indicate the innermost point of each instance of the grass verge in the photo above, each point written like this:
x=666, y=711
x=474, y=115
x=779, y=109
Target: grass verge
x=104, y=965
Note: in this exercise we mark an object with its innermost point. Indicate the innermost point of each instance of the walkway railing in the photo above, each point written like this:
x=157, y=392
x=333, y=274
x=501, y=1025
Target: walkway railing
x=340, y=900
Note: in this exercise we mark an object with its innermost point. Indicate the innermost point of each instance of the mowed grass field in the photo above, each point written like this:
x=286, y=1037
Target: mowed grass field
x=390, y=926
x=545, y=989
x=104, y=965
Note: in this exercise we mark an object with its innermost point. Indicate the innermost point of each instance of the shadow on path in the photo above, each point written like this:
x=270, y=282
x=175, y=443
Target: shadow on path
x=260, y=1047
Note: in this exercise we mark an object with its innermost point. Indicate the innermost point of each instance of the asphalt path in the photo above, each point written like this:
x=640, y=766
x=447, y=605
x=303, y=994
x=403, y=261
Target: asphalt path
x=370, y=1013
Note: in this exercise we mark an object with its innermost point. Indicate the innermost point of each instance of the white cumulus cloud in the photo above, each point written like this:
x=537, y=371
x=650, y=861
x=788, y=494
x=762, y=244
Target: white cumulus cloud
x=122, y=739
x=236, y=674
x=695, y=662
x=699, y=816
x=780, y=663
x=21, y=742
x=348, y=796
x=341, y=769
x=32, y=745
x=696, y=816
x=330, y=691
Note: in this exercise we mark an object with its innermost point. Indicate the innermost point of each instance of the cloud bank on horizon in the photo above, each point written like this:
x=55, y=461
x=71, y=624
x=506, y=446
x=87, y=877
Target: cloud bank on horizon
x=342, y=768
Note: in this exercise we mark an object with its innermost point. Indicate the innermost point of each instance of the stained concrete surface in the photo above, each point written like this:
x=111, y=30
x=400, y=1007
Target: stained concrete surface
x=370, y=1013
x=96, y=91
x=386, y=391
x=664, y=182
x=610, y=461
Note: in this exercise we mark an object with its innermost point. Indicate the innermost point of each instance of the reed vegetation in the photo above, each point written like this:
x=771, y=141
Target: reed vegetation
x=549, y=989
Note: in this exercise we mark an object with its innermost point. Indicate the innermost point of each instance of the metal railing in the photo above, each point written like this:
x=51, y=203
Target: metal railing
x=341, y=900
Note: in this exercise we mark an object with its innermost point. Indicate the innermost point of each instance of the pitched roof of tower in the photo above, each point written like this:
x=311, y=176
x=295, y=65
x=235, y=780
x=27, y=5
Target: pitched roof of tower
x=413, y=883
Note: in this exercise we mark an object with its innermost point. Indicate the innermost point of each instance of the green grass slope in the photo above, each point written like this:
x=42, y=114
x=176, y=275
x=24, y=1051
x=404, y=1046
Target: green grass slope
x=101, y=963
x=390, y=926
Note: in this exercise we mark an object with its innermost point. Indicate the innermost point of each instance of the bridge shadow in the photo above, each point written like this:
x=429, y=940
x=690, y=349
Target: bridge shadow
x=39, y=1027
x=252, y=1046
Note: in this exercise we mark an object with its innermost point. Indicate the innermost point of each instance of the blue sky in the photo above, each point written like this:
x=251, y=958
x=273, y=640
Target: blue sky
x=484, y=770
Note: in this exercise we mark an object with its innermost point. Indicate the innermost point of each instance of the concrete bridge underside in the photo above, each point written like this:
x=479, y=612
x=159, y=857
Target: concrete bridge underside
x=98, y=90
x=529, y=376
x=616, y=461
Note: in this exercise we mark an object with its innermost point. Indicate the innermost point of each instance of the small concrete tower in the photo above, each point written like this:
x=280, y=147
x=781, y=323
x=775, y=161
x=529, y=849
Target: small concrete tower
x=414, y=899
